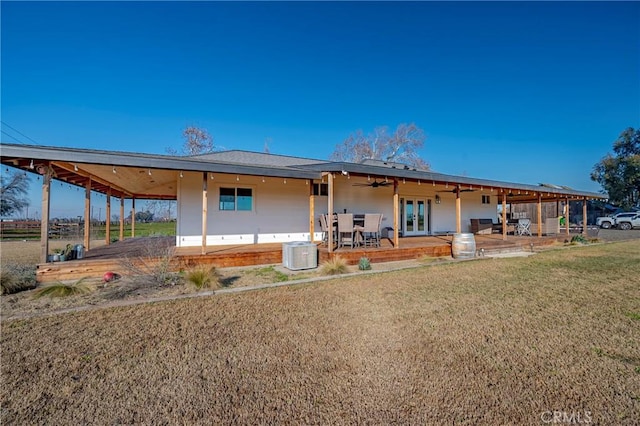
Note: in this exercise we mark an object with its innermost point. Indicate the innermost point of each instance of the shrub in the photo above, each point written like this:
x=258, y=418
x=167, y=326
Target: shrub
x=154, y=261
x=15, y=278
x=62, y=290
x=579, y=239
x=335, y=266
x=364, y=264
x=204, y=278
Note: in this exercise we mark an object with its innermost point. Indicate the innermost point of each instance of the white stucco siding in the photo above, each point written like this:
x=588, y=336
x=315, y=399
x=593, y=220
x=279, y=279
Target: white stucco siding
x=280, y=211
x=471, y=207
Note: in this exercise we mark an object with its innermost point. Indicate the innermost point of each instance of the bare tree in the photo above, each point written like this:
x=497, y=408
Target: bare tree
x=163, y=209
x=401, y=146
x=196, y=141
x=14, y=188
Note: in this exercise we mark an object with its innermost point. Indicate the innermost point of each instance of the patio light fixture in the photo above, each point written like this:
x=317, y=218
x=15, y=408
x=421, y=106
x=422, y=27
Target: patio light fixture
x=437, y=199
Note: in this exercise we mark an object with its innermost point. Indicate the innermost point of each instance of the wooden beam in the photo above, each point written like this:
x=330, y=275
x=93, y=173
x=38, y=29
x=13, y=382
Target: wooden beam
x=312, y=213
x=108, y=221
x=121, y=237
x=205, y=203
x=458, y=211
x=539, y=206
x=133, y=218
x=330, y=213
x=87, y=214
x=566, y=219
x=584, y=216
x=70, y=168
x=396, y=214
x=504, y=216
x=44, y=220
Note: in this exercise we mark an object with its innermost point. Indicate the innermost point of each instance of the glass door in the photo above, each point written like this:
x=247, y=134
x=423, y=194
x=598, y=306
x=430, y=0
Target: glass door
x=415, y=218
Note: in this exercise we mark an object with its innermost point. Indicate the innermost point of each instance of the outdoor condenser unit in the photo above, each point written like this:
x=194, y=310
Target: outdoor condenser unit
x=299, y=255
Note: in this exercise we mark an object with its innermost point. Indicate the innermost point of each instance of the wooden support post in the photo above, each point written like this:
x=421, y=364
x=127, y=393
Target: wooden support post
x=504, y=216
x=205, y=204
x=44, y=221
x=396, y=214
x=584, y=216
x=566, y=218
x=312, y=213
x=458, y=212
x=539, y=214
x=87, y=215
x=121, y=237
x=133, y=217
x=330, y=213
x=108, y=219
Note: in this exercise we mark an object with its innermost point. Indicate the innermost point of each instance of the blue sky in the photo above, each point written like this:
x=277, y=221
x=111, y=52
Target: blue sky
x=519, y=91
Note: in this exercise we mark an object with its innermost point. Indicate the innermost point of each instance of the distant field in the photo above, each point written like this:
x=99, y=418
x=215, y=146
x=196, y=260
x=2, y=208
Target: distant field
x=494, y=341
x=68, y=231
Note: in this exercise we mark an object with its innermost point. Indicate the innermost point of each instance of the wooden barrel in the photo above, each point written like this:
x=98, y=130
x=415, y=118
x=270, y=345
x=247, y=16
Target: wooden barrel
x=463, y=246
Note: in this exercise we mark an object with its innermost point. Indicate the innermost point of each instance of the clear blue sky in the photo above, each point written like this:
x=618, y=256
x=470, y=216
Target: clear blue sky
x=520, y=91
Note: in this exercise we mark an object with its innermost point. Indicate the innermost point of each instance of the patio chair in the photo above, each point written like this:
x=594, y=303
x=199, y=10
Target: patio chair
x=371, y=229
x=324, y=225
x=523, y=227
x=346, y=230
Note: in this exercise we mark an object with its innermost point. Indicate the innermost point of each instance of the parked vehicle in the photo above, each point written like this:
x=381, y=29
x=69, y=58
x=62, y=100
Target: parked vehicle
x=626, y=223
x=607, y=222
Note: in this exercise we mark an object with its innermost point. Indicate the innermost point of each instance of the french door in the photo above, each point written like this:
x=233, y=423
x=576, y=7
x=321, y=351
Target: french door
x=415, y=216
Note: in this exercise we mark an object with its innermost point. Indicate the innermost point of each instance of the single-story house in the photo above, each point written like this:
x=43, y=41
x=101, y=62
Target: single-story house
x=241, y=197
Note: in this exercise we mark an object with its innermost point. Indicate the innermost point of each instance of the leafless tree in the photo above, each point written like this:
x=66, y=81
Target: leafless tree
x=196, y=141
x=163, y=209
x=401, y=146
x=14, y=188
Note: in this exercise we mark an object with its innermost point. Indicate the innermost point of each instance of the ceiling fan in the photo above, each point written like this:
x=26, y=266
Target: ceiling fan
x=374, y=184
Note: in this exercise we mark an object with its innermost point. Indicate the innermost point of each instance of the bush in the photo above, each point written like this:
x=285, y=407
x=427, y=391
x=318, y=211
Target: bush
x=15, y=278
x=204, y=278
x=364, y=264
x=579, y=239
x=62, y=290
x=335, y=266
x=154, y=262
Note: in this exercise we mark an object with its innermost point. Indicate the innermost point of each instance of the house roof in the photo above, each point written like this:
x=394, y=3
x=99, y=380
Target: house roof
x=130, y=174
x=258, y=158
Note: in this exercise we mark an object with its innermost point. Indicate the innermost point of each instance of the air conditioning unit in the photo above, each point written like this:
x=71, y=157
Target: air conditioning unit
x=299, y=255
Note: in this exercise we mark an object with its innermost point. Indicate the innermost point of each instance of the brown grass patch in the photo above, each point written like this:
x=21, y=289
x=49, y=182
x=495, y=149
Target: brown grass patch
x=498, y=341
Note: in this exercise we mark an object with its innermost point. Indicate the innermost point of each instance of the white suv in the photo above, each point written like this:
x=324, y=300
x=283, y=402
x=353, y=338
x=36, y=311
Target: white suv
x=628, y=222
x=607, y=222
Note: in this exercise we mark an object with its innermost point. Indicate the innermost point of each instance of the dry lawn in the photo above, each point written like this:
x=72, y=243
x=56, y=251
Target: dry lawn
x=496, y=341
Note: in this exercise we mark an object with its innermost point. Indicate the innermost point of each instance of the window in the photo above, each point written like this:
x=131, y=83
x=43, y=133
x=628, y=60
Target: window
x=321, y=189
x=240, y=199
x=486, y=199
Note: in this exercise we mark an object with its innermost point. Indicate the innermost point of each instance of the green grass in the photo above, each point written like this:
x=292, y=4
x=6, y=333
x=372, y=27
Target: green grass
x=141, y=229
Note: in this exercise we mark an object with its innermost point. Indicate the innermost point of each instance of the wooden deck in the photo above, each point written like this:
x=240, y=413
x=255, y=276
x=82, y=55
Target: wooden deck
x=114, y=256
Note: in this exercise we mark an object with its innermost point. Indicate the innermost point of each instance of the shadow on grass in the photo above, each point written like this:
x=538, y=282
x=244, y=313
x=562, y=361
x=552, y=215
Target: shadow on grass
x=229, y=281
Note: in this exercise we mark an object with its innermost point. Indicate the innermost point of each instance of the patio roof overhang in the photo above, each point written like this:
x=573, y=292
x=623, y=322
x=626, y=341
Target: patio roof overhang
x=128, y=174
x=516, y=192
